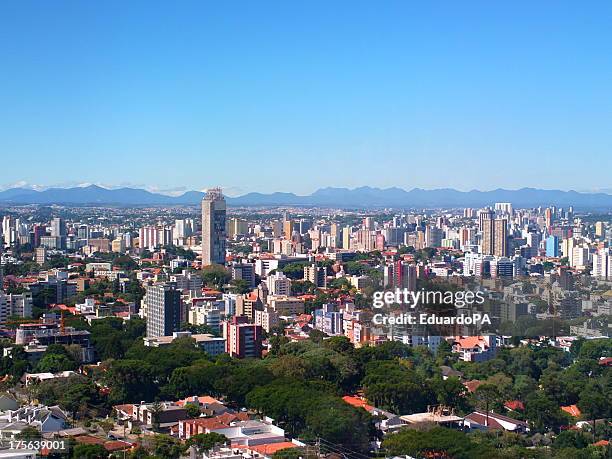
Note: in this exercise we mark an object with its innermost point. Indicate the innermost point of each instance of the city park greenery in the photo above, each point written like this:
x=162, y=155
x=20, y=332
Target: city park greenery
x=300, y=385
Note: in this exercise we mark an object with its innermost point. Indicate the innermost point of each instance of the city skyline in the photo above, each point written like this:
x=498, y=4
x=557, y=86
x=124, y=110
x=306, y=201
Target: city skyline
x=463, y=96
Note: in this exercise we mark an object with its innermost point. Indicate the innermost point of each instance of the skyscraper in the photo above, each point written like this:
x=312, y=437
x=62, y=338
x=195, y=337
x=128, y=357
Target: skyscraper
x=213, y=227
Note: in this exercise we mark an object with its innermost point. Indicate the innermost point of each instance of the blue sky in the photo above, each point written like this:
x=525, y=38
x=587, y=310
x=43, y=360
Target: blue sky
x=292, y=96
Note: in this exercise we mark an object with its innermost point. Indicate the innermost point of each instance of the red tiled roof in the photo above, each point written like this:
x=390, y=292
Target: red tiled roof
x=472, y=385
x=271, y=448
x=572, y=410
x=605, y=361
x=357, y=402
x=117, y=445
x=469, y=342
x=90, y=440
x=207, y=423
x=202, y=399
x=482, y=420
x=127, y=408
x=514, y=405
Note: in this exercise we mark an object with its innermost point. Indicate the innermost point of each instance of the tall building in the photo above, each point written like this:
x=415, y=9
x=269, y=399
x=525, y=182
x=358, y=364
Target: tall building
x=287, y=228
x=244, y=271
x=500, y=238
x=278, y=284
x=237, y=227
x=335, y=231
x=163, y=303
x=346, y=238
x=242, y=339
x=404, y=275
x=552, y=246
x=58, y=227
x=487, y=228
x=503, y=208
x=58, y=230
x=213, y=227
x=433, y=236
x=549, y=216
x=316, y=274
x=602, y=264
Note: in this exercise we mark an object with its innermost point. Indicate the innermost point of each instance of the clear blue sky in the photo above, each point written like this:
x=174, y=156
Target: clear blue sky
x=292, y=96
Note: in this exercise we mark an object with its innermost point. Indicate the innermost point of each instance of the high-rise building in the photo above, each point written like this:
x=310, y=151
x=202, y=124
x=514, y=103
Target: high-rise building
x=433, y=236
x=599, y=229
x=164, y=310
x=213, y=227
x=487, y=228
x=334, y=232
x=277, y=228
x=245, y=272
x=404, y=275
x=500, y=238
x=316, y=275
x=41, y=255
x=602, y=264
x=58, y=230
x=503, y=208
x=346, y=238
x=287, y=228
x=242, y=339
x=58, y=227
x=549, y=216
x=237, y=227
x=552, y=246
x=278, y=284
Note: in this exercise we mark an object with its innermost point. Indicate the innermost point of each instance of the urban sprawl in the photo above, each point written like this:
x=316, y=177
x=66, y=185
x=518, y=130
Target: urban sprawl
x=276, y=332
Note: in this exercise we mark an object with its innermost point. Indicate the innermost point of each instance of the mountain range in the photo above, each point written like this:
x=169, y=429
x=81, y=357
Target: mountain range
x=361, y=197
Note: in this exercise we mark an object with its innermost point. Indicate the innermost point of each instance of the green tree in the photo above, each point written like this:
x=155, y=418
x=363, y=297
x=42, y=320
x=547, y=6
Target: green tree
x=89, y=451
x=543, y=413
x=215, y=276
x=488, y=396
x=207, y=441
x=240, y=286
x=437, y=442
x=54, y=363
x=193, y=410
x=293, y=453
x=596, y=399
x=167, y=447
x=571, y=438
x=131, y=381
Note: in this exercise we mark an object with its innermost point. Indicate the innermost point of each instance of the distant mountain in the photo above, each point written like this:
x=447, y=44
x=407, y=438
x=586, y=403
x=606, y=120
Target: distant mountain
x=92, y=194
x=324, y=197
